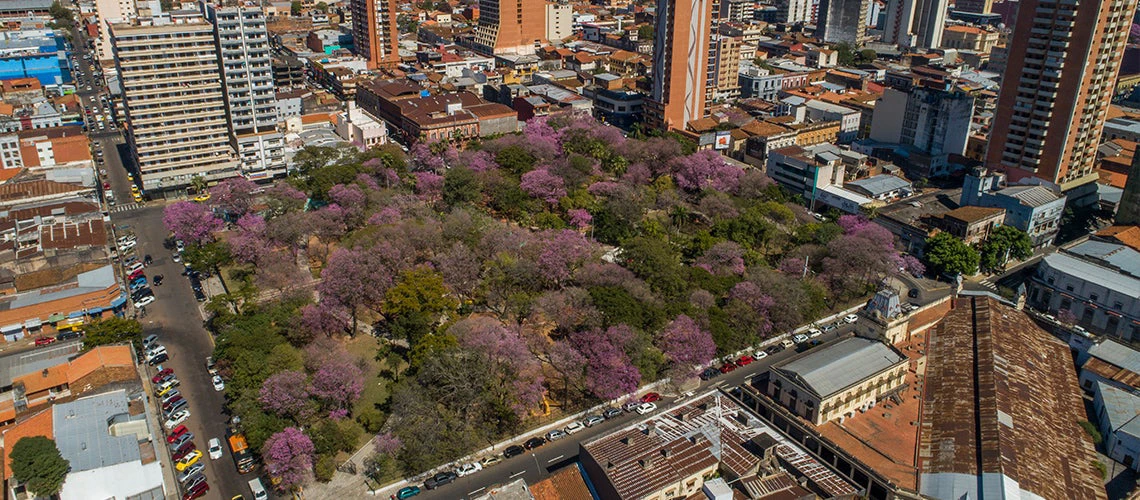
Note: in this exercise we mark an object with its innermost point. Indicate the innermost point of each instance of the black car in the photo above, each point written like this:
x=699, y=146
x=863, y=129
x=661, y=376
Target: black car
x=612, y=413
x=140, y=293
x=513, y=451
x=161, y=358
x=68, y=335
x=710, y=373
x=439, y=480
x=199, y=296
x=534, y=442
x=774, y=349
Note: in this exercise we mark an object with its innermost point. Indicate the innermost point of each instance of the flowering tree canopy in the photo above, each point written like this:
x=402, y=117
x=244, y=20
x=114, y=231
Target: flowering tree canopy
x=191, y=222
x=289, y=456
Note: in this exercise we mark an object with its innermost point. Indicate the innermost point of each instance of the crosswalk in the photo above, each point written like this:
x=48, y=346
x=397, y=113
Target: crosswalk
x=988, y=283
x=125, y=208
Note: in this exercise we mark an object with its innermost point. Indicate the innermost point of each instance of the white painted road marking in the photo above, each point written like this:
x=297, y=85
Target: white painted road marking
x=559, y=457
x=472, y=493
x=517, y=474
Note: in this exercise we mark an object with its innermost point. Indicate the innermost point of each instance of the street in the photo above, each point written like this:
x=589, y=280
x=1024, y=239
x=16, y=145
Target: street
x=537, y=464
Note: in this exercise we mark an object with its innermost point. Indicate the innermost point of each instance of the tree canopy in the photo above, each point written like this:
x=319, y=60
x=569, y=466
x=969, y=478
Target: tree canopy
x=1003, y=244
x=37, y=464
x=947, y=254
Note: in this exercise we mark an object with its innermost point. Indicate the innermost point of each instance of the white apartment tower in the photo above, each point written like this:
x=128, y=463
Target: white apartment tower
x=915, y=23
x=250, y=96
x=108, y=12
x=559, y=21
x=794, y=11
x=173, y=101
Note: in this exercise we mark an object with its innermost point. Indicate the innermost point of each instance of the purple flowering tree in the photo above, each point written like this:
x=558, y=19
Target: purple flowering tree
x=233, y=196
x=337, y=382
x=706, y=169
x=542, y=184
x=286, y=394
x=429, y=185
x=508, y=352
x=326, y=319
x=562, y=253
x=248, y=242
x=579, y=217
x=686, y=345
x=288, y=456
x=723, y=259
x=609, y=372
x=352, y=200
x=191, y=222
x=386, y=443
x=354, y=280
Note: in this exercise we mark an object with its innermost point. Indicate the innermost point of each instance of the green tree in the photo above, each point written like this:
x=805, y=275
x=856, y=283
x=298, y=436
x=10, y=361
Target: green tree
x=113, y=330
x=62, y=15
x=656, y=262
x=646, y=32
x=948, y=254
x=208, y=256
x=460, y=186
x=416, y=302
x=295, y=8
x=1004, y=243
x=322, y=7
x=38, y=465
x=846, y=56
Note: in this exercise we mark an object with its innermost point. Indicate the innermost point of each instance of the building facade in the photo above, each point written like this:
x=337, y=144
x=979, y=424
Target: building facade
x=375, y=36
x=1034, y=209
x=247, y=77
x=842, y=21
x=680, y=63
x=510, y=26
x=173, y=103
x=559, y=21
x=107, y=12
x=1057, y=86
x=1102, y=296
x=915, y=23
x=969, y=38
x=935, y=121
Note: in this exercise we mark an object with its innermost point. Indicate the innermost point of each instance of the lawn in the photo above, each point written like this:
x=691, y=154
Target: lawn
x=377, y=383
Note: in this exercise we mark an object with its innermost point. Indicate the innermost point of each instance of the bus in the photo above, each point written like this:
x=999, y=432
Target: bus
x=239, y=449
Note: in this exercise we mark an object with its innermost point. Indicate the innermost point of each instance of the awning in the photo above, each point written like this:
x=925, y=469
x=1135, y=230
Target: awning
x=32, y=324
x=13, y=328
x=94, y=310
x=1113, y=313
x=119, y=301
x=76, y=314
x=56, y=318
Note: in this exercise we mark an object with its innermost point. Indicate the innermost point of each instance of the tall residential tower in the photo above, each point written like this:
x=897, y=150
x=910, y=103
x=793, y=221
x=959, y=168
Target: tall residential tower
x=375, y=36
x=915, y=23
x=510, y=26
x=173, y=101
x=680, y=63
x=247, y=78
x=1056, y=90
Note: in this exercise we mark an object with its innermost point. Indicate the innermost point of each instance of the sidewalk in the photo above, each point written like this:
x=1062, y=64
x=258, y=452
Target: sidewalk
x=158, y=436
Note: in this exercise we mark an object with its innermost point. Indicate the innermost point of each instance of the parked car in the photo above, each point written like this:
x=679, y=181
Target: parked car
x=850, y=318
x=176, y=406
x=41, y=341
x=828, y=328
x=611, y=413
x=630, y=406
x=710, y=373
x=182, y=440
x=759, y=355
x=555, y=435
x=188, y=460
x=650, y=397
x=468, y=469
x=214, y=447
x=774, y=349
x=191, y=471
x=176, y=433
x=136, y=275
x=179, y=455
x=176, y=419
x=161, y=375
x=513, y=450
x=149, y=340
x=195, y=480
x=219, y=385
x=169, y=397
x=145, y=301
x=68, y=335
x=814, y=332
x=800, y=338
x=197, y=492
x=593, y=420
x=574, y=427
x=490, y=460
x=407, y=492
x=534, y=442
x=161, y=358
x=441, y=479
x=744, y=360
x=645, y=408
x=727, y=367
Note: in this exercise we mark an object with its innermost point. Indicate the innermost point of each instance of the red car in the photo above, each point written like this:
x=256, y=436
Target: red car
x=650, y=397
x=106, y=185
x=45, y=341
x=727, y=367
x=161, y=374
x=744, y=360
x=176, y=433
x=196, y=491
x=182, y=453
x=135, y=275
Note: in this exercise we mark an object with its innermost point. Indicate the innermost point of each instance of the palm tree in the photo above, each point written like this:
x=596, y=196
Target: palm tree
x=198, y=183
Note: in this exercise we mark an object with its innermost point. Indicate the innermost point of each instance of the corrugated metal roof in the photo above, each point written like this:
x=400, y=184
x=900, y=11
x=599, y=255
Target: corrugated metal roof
x=1033, y=196
x=1117, y=354
x=830, y=369
x=881, y=184
x=81, y=432
x=1121, y=408
x=1088, y=271
x=1114, y=254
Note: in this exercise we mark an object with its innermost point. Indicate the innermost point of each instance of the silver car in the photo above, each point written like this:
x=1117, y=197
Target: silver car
x=191, y=471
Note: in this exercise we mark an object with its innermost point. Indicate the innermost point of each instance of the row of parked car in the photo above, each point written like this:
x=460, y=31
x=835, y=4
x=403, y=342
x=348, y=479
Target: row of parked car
x=138, y=285
x=644, y=405
x=184, y=452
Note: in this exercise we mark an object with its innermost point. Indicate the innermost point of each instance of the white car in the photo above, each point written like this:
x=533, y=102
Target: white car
x=850, y=318
x=219, y=385
x=759, y=355
x=814, y=332
x=800, y=338
x=135, y=266
x=644, y=408
x=574, y=427
x=468, y=469
x=145, y=301
x=176, y=419
x=215, y=445
x=176, y=257
x=127, y=246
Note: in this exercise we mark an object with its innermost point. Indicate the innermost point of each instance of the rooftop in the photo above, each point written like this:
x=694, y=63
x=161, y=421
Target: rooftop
x=1032, y=196
x=566, y=483
x=1121, y=408
x=82, y=432
x=1089, y=271
x=970, y=215
x=1001, y=399
x=1117, y=354
x=839, y=365
x=1113, y=255
x=881, y=184
x=1128, y=235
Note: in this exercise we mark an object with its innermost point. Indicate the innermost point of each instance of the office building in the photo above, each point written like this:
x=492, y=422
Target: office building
x=247, y=77
x=915, y=23
x=794, y=11
x=842, y=21
x=510, y=26
x=936, y=121
x=1058, y=83
x=375, y=36
x=173, y=102
x=559, y=21
x=680, y=63
x=1036, y=210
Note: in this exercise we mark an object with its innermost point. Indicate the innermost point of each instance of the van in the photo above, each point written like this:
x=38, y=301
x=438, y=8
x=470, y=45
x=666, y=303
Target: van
x=258, y=490
x=150, y=339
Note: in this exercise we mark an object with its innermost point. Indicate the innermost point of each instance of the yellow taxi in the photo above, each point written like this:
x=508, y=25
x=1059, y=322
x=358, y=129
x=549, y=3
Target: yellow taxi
x=162, y=392
x=138, y=198
x=188, y=460
x=134, y=188
x=202, y=197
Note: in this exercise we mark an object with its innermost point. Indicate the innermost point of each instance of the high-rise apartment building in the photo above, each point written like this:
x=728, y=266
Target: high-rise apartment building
x=375, y=36
x=173, y=101
x=842, y=21
x=247, y=78
x=724, y=68
x=915, y=23
x=559, y=21
x=794, y=11
x=1058, y=84
x=510, y=26
x=680, y=63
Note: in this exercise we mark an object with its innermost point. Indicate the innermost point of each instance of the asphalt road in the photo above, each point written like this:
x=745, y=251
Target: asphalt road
x=537, y=464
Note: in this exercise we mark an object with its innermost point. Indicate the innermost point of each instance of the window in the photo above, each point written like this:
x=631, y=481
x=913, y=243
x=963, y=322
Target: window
x=1093, y=297
x=1069, y=287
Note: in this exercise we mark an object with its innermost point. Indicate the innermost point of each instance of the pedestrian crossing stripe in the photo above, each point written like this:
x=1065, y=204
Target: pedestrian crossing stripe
x=124, y=208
